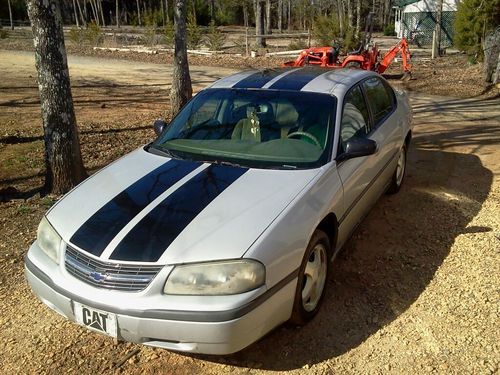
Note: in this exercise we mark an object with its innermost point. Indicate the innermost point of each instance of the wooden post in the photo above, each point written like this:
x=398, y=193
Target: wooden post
x=434, y=52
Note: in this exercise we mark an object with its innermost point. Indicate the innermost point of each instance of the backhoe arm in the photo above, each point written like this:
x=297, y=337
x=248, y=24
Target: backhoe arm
x=401, y=47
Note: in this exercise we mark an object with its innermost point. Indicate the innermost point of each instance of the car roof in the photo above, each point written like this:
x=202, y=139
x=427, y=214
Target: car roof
x=311, y=79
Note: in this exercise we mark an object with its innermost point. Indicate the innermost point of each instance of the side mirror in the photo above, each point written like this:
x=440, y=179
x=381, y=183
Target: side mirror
x=357, y=147
x=159, y=125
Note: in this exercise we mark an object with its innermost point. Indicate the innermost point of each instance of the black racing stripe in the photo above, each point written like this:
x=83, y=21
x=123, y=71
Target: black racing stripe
x=98, y=231
x=149, y=239
x=297, y=79
x=259, y=79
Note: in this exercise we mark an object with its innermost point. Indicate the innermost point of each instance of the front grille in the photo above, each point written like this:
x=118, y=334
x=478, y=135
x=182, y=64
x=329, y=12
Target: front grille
x=126, y=277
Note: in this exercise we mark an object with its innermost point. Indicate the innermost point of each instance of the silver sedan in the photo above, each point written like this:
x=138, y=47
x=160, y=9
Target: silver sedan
x=225, y=226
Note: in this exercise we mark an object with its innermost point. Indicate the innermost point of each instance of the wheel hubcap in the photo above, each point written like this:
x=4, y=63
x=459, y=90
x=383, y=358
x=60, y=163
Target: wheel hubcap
x=314, y=278
x=400, y=171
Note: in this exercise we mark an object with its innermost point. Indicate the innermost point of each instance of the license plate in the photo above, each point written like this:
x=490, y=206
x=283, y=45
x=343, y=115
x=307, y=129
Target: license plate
x=96, y=320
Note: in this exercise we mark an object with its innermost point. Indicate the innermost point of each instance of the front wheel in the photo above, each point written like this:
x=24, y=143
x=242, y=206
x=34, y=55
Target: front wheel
x=312, y=277
x=399, y=173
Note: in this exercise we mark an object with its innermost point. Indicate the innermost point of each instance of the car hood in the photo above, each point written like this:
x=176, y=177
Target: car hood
x=148, y=208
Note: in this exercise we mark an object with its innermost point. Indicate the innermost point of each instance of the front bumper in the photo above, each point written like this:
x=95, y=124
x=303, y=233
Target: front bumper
x=208, y=332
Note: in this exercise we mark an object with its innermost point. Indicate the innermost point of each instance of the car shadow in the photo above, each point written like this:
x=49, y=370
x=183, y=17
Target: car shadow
x=386, y=265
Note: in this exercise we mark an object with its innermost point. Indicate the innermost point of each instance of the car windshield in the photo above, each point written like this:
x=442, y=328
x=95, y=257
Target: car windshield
x=253, y=128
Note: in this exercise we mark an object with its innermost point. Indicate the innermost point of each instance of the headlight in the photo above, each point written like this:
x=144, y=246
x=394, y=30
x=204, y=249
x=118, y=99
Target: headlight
x=48, y=239
x=216, y=278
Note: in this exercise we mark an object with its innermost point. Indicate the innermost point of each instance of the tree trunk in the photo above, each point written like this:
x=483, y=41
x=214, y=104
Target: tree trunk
x=76, y=14
x=245, y=14
x=181, y=90
x=94, y=11
x=491, y=62
x=63, y=160
x=341, y=16
x=195, y=17
x=166, y=11
x=10, y=16
x=280, y=16
x=268, y=17
x=162, y=13
x=84, y=21
x=289, y=17
x=117, y=13
x=259, y=24
x=138, y=13
x=85, y=11
x=102, y=13
x=438, y=25
x=212, y=10
x=358, y=18
x=349, y=13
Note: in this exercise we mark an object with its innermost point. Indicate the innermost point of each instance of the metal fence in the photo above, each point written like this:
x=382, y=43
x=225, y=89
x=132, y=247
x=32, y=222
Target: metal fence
x=418, y=28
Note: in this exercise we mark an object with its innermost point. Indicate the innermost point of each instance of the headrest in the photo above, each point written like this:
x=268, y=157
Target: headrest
x=263, y=110
x=286, y=114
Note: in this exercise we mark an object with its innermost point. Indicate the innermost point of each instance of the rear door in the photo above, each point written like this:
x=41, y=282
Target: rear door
x=366, y=112
x=386, y=127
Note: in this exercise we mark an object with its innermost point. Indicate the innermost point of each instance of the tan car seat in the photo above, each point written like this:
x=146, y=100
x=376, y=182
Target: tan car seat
x=286, y=116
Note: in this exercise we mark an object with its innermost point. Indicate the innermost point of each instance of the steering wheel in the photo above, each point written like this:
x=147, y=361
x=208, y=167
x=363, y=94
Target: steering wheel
x=307, y=135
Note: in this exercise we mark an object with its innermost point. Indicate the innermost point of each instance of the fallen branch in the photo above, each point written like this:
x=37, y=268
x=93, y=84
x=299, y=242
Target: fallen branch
x=127, y=357
x=122, y=49
x=284, y=53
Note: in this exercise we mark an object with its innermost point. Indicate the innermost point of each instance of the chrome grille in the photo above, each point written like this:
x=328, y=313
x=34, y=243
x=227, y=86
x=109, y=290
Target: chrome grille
x=126, y=277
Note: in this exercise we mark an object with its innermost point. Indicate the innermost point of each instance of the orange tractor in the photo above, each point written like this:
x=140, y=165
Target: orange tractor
x=366, y=57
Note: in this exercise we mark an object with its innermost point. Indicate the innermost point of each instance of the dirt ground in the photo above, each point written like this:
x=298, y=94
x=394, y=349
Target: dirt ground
x=415, y=291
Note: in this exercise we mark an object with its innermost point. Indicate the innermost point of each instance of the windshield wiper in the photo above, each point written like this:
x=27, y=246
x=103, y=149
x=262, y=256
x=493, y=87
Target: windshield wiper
x=223, y=162
x=163, y=152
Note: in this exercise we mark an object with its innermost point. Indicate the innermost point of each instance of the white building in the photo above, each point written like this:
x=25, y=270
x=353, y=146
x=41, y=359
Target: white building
x=416, y=20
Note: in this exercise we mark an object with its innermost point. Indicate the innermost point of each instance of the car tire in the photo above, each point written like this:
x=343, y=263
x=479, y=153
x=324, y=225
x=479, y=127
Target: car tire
x=313, y=273
x=399, y=173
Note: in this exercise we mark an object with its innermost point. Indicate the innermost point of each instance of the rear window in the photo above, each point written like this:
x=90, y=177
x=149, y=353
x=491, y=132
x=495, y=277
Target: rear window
x=379, y=99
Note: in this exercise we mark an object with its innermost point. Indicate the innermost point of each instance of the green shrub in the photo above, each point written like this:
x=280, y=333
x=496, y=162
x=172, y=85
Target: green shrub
x=76, y=35
x=93, y=34
x=215, y=38
x=169, y=34
x=193, y=33
x=149, y=36
x=152, y=18
x=327, y=29
x=474, y=19
x=299, y=43
x=4, y=34
x=389, y=30
x=350, y=42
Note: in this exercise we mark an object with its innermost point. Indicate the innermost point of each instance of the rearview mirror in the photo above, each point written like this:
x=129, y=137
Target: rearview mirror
x=159, y=125
x=357, y=147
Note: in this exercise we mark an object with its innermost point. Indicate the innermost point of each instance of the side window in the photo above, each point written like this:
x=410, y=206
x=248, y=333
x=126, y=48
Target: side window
x=354, y=117
x=379, y=99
